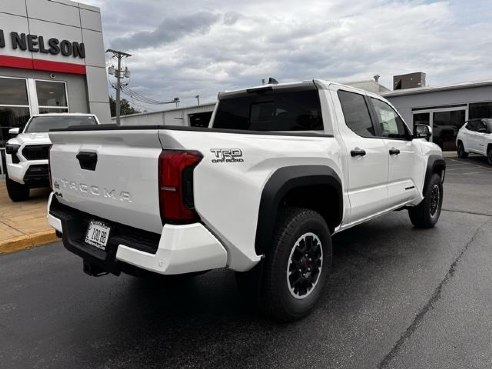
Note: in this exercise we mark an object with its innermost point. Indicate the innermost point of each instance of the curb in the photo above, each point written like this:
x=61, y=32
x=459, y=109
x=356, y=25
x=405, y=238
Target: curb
x=449, y=154
x=27, y=241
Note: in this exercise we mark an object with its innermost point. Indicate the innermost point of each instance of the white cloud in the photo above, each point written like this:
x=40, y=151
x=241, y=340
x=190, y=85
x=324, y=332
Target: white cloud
x=195, y=47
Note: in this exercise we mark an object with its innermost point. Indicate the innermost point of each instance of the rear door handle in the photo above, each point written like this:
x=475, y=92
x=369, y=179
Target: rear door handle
x=394, y=151
x=357, y=152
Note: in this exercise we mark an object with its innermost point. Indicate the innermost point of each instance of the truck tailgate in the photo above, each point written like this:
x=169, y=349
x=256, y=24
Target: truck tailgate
x=112, y=174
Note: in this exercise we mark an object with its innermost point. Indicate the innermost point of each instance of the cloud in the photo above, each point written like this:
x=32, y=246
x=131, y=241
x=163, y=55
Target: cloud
x=205, y=47
x=170, y=29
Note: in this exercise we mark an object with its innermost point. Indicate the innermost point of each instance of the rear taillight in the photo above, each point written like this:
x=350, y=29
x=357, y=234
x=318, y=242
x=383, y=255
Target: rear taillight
x=176, y=200
x=49, y=167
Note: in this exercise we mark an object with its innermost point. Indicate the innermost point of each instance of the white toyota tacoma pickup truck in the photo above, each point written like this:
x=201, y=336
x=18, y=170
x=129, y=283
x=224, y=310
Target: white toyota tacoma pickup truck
x=261, y=191
x=27, y=152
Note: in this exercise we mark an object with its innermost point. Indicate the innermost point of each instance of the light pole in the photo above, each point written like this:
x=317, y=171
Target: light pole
x=197, y=97
x=118, y=74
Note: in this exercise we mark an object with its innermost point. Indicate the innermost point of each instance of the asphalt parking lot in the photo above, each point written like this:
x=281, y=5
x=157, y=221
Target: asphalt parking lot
x=398, y=297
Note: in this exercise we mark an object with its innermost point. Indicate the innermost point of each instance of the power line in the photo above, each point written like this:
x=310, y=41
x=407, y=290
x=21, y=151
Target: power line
x=147, y=100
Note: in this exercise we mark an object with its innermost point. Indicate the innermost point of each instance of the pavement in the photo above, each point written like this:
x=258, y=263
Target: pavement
x=23, y=225
x=398, y=297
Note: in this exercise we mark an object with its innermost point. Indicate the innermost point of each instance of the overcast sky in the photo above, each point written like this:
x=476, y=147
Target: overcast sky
x=199, y=47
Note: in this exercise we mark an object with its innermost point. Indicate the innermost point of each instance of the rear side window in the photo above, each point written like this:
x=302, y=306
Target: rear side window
x=271, y=110
x=356, y=113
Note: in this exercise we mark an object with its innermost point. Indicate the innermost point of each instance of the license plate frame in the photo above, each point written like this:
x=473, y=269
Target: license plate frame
x=97, y=234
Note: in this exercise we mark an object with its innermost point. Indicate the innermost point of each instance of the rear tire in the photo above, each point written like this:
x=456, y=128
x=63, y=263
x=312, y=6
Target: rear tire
x=426, y=214
x=489, y=155
x=462, y=154
x=17, y=192
x=297, y=265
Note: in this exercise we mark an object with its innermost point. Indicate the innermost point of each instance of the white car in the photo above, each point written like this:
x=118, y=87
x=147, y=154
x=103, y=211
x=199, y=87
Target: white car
x=27, y=153
x=280, y=170
x=475, y=137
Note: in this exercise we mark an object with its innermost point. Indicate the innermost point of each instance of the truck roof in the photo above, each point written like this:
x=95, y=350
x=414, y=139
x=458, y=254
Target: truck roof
x=319, y=83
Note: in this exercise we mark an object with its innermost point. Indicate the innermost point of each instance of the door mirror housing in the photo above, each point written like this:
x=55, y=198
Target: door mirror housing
x=14, y=131
x=422, y=131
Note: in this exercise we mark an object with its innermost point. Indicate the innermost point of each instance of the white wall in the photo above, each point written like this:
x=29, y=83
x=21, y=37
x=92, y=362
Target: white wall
x=171, y=117
x=405, y=103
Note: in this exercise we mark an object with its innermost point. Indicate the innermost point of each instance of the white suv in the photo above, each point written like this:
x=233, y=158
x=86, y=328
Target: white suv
x=27, y=153
x=475, y=137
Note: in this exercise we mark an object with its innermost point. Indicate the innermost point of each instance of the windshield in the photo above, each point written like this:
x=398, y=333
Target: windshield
x=44, y=124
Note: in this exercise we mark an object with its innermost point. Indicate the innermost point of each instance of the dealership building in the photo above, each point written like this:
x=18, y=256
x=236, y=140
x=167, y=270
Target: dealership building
x=444, y=108
x=51, y=61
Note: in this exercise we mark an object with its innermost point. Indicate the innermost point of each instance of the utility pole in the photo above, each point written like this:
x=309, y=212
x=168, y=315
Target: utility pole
x=119, y=74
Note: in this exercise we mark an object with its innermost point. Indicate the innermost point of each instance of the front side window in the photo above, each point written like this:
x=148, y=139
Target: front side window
x=45, y=123
x=356, y=113
x=390, y=123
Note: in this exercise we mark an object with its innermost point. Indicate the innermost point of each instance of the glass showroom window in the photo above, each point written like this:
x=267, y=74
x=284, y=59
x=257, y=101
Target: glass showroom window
x=52, y=97
x=14, y=106
x=480, y=110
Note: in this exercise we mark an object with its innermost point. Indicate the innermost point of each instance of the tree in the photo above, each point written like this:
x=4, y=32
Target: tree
x=125, y=107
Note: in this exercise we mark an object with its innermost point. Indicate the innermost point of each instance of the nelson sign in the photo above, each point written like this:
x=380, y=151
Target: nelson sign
x=38, y=44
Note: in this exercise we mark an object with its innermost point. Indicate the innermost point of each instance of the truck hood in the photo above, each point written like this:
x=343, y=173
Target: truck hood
x=41, y=138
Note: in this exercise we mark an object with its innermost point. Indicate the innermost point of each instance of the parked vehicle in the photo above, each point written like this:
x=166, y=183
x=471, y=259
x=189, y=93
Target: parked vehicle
x=475, y=137
x=280, y=170
x=27, y=152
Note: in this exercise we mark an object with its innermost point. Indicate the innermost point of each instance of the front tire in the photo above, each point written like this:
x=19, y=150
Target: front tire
x=297, y=265
x=489, y=155
x=17, y=192
x=462, y=154
x=426, y=214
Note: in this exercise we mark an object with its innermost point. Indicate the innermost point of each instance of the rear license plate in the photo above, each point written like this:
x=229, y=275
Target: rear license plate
x=97, y=234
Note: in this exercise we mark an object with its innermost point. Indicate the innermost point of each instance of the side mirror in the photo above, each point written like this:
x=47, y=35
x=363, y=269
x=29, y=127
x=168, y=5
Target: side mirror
x=422, y=131
x=14, y=131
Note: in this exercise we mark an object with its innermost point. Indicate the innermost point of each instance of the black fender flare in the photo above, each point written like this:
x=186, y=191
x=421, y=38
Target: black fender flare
x=435, y=164
x=278, y=186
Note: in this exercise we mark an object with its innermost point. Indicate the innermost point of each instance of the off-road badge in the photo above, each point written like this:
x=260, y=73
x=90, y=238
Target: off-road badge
x=227, y=156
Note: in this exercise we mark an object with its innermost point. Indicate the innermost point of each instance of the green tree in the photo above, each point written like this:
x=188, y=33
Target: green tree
x=125, y=107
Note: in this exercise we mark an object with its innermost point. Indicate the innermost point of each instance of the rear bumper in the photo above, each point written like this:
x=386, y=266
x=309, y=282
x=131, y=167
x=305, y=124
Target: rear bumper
x=178, y=249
